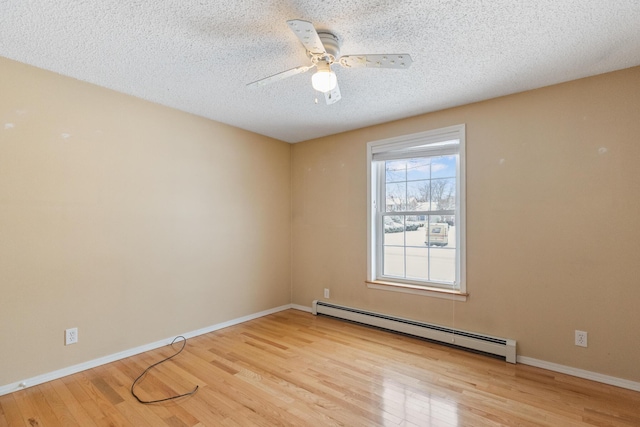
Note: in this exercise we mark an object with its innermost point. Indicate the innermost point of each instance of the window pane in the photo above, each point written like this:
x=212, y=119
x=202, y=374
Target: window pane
x=443, y=167
x=396, y=196
x=443, y=193
x=413, y=230
x=442, y=265
x=396, y=171
x=393, y=261
x=417, y=263
x=418, y=169
x=418, y=194
x=451, y=244
x=393, y=230
x=437, y=232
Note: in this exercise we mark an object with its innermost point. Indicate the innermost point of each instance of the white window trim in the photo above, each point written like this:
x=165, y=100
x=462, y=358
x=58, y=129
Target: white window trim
x=400, y=143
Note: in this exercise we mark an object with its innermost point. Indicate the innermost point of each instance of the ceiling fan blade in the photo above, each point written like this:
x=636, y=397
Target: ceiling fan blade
x=395, y=60
x=279, y=76
x=333, y=95
x=308, y=35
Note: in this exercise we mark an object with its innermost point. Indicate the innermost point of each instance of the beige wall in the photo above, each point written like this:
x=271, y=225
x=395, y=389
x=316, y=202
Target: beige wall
x=141, y=224
x=135, y=222
x=553, y=220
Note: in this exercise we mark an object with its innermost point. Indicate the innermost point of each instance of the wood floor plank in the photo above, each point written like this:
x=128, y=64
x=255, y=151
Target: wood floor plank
x=3, y=419
x=295, y=369
x=30, y=406
x=104, y=410
x=67, y=399
x=11, y=412
x=63, y=414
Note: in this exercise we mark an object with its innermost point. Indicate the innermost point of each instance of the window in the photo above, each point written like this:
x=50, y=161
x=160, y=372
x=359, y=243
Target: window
x=416, y=212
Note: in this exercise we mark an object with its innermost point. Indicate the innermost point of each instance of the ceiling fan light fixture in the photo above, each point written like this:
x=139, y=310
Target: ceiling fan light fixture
x=324, y=80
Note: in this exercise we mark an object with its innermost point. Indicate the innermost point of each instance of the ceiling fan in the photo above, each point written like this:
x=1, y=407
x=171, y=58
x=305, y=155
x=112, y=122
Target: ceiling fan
x=323, y=48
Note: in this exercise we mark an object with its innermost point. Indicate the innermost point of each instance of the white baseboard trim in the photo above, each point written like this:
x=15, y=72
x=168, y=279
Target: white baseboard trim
x=580, y=373
x=50, y=376
x=301, y=308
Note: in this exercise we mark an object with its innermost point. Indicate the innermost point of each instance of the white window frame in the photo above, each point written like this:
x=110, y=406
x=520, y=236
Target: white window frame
x=422, y=143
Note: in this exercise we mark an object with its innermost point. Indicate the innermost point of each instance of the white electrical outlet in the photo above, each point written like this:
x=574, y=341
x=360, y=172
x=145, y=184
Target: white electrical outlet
x=326, y=293
x=581, y=338
x=71, y=336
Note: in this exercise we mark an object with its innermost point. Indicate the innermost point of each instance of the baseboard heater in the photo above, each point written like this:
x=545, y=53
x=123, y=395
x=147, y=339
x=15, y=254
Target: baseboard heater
x=484, y=343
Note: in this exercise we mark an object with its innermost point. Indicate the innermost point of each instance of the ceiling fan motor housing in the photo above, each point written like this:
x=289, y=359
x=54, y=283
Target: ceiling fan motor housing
x=331, y=45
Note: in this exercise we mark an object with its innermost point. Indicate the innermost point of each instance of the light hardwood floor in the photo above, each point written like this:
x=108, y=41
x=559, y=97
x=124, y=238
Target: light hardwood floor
x=296, y=369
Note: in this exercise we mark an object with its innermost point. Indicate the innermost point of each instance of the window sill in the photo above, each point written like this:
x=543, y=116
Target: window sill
x=418, y=290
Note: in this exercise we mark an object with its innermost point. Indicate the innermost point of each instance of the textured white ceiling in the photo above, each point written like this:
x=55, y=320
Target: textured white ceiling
x=198, y=55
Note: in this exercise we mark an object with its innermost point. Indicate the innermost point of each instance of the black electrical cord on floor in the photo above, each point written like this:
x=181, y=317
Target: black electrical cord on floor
x=184, y=343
